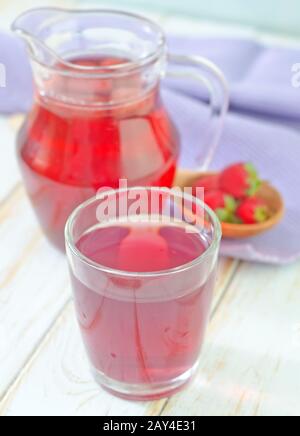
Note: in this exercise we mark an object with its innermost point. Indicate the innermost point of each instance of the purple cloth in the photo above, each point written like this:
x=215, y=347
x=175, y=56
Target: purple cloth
x=262, y=126
x=16, y=96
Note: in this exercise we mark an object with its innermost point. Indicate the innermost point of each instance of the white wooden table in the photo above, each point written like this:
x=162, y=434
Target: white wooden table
x=251, y=361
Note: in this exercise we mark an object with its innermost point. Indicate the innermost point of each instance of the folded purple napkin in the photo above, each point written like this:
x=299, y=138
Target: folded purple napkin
x=16, y=96
x=260, y=77
x=262, y=126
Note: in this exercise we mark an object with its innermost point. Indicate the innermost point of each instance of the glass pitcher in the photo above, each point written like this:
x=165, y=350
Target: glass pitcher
x=97, y=115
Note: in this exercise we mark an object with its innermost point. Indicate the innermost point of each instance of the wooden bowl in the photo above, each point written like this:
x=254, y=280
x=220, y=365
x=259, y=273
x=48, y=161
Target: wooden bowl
x=267, y=192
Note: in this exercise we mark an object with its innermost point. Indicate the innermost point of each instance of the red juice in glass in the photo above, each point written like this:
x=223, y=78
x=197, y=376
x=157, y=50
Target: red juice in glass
x=142, y=341
x=143, y=303
x=108, y=129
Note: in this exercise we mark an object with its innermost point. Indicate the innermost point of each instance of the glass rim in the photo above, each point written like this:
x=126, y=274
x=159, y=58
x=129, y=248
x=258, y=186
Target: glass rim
x=69, y=239
x=93, y=71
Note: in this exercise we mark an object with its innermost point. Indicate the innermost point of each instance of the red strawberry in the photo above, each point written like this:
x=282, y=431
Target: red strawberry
x=240, y=180
x=224, y=205
x=253, y=210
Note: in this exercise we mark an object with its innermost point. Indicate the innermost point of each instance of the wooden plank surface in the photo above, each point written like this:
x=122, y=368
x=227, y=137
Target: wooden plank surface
x=33, y=285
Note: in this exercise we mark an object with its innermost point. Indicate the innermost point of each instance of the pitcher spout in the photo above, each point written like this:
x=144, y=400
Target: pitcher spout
x=35, y=28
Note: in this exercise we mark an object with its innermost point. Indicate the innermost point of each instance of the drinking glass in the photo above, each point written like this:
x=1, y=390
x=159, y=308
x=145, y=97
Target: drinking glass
x=143, y=266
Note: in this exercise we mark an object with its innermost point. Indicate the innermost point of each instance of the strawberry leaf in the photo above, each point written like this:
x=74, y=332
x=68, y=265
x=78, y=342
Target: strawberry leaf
x=230, y=204
x=261, y=214
x=223, y=215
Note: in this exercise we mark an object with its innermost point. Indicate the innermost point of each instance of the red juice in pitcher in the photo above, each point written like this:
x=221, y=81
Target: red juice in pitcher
x=98, y=131
x=136, y=337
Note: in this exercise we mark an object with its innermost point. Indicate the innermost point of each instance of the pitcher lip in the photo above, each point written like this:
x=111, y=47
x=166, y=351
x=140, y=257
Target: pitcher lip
x=123, y=67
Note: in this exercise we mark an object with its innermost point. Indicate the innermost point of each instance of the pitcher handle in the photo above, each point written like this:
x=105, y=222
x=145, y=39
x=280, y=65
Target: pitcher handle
x=213, y=79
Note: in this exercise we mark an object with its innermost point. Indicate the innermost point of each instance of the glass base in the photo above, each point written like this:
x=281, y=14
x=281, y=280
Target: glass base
x=144, y=391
